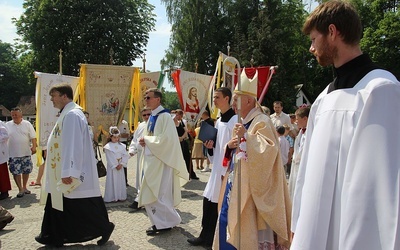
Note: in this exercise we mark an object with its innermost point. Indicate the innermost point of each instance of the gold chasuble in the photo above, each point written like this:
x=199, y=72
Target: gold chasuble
x=53, y=162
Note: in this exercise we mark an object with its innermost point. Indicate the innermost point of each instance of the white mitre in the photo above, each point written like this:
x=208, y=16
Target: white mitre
x=247, y=86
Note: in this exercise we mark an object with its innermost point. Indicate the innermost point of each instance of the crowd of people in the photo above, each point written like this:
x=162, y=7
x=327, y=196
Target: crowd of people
x=325, y=177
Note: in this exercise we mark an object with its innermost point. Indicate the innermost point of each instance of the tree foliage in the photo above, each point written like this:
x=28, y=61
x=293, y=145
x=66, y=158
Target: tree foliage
x=170, y=100
x=86, y=31
x=200, y=29
x=381, y=20
x=269, y=33
x=13, y=76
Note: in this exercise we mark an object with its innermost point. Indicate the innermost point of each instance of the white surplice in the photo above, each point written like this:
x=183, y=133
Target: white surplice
x=225, y=131
x=70, y=139
x=115, y=179
x=298, y=149
x=350, y=173
x=135, y=148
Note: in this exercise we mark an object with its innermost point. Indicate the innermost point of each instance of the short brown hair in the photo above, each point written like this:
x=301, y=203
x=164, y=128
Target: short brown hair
x=63, y=89
x=157, y=92
x=303, y=112
x=339, y=13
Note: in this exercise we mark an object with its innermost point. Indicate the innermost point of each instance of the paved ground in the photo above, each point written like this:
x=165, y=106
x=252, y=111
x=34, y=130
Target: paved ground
x=130, y=227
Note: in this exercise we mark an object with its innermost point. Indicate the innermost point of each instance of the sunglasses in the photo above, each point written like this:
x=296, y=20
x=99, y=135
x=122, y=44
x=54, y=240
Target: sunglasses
x=146, y=115
x=149, y=97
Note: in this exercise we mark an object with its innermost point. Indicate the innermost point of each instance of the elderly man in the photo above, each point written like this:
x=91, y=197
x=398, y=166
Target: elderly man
x=163, y=167
x=21, y=145
x=75, y=210
x=264, y=205
x=348, y=177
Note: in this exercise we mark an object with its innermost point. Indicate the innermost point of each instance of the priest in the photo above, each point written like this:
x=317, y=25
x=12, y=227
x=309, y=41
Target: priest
x=164, y=170
x=75, y=210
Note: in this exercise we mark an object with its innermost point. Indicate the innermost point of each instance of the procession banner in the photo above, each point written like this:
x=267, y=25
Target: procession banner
x=193, y=90
x=146, y=81
x=217, y=81
x=46, y=113
x=104, y=91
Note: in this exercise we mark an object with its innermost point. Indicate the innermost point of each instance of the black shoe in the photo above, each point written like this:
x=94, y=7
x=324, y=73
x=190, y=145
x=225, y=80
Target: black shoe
x=47, y=241
x=106, y=236
x=196, y=241
x=194, y=178
x=134, y=205
x=4, y=195
x=153, y=230
x=6, y=221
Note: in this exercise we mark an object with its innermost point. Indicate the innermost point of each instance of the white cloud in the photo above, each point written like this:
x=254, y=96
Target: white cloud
x=8, y=30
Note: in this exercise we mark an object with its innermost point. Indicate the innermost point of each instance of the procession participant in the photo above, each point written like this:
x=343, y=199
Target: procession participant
x=78, y=214
x=183, y=135
x=264, y=204
x=301, y=119
x=279, y=118
x=125, y=134
x=349, y=172
x=136, y=149
x=205, y=117
x=5, y=184
x=117, y=159
x=224, y=124
x=21, y=146
x=163, y=167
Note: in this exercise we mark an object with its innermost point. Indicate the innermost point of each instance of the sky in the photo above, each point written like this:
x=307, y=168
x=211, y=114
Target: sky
x=155, y=50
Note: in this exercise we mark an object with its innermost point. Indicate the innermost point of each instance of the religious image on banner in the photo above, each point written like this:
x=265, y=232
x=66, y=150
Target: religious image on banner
x=46, y=113
x=107, y=89
x=194, y=90
x=109, y=103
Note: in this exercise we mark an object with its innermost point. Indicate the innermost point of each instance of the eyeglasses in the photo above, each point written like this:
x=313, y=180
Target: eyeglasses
x=146, y=115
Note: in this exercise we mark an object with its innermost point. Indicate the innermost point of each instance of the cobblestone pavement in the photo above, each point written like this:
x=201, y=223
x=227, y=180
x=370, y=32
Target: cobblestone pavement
x=130, y=227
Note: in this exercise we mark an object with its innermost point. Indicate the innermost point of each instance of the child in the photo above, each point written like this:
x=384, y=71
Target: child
x=284, y=144
x=290, y=139
x=302, y=118
x=117, y=159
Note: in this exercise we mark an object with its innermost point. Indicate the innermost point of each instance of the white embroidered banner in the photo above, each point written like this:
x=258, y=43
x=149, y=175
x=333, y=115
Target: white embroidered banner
x=46, y=113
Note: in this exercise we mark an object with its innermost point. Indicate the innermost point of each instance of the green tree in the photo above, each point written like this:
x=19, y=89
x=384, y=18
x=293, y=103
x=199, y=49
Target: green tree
x=85, y=30
x=170, y=100
x=381, y=20
x=200, y=29
x=13, y=77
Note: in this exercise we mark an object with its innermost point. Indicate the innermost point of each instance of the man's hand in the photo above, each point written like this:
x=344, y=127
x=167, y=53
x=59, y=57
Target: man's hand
x=141, y=142
x=209, y=144
x=233, y=143
x=33, y=150
x=240, y=130
x=66, y=180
